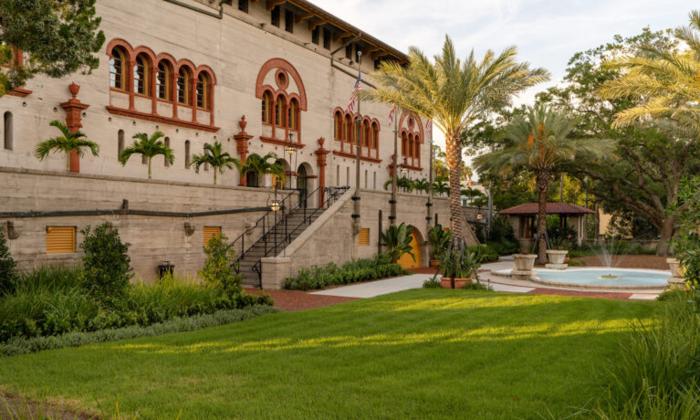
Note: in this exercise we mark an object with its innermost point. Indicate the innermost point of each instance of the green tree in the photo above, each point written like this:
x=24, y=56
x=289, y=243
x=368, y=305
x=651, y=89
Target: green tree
x=106, y=263
x=8, y=270
x=67, y=142
x=454, y=94
x=397, y=241
x=148, y=147
x=218, y=270
x=60, y=37
x=263, y=165
x=215, y=157
x=540, y=143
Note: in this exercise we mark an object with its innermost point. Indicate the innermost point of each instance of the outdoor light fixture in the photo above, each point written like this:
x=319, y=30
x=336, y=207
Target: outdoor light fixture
x=275, y=206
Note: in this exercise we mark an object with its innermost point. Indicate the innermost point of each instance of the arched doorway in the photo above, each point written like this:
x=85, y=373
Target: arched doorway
x=284, y=182
x=304, y=184
x=406, y=261
x=251, y=179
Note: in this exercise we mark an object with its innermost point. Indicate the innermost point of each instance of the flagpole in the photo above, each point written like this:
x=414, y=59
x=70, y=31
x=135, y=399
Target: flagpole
x=392, y=202
x=358, y=151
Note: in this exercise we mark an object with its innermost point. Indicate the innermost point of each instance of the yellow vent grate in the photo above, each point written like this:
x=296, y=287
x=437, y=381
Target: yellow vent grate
x=60, y=239
x=363, y=237
x=209, y=232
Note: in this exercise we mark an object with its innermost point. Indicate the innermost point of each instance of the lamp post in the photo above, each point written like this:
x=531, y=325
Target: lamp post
x=291, y=151
x=358, y=151
x=395, y=162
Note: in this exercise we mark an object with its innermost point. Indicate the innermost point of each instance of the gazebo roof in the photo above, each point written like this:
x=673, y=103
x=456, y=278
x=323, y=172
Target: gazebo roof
x=552, y=208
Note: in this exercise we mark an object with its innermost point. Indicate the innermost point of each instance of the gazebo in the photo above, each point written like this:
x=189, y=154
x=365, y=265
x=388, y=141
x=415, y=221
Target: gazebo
x=523, y=218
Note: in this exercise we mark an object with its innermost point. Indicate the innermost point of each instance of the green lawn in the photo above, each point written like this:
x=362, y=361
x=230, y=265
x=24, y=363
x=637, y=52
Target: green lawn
x=417, y=354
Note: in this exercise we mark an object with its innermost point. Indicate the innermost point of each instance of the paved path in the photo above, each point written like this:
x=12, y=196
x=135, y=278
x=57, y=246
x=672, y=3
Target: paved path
x=497, y=283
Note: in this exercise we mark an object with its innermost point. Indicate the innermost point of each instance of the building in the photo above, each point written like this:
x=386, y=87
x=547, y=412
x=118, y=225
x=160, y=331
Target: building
x=258, y=76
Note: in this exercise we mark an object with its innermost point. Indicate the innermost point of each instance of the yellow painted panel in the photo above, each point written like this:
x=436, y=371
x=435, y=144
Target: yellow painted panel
x=60, y=239
x=209, y=232
x=363, y=237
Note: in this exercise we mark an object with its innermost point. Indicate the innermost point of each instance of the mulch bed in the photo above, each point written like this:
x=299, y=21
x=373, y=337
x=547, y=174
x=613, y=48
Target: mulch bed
x=294, y=300
x=628, y=261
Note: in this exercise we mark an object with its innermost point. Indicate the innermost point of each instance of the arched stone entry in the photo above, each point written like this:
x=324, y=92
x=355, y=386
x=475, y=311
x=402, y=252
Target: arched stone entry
x=406, y=261
x=305, y=184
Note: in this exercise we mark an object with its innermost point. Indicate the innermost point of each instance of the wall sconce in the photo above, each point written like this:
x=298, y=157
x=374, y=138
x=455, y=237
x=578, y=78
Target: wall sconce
x=11, y=231
x=189, y=229
x=275, y=206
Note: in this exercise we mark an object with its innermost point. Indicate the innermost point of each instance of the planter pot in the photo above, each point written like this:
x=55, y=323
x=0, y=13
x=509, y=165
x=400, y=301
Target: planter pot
x=675, y=266
x=524, y=262
x=460, y=282
x=434, y=263
x=556, y=256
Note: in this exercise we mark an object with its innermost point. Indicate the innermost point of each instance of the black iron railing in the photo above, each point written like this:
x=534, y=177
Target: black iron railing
x=276, y=229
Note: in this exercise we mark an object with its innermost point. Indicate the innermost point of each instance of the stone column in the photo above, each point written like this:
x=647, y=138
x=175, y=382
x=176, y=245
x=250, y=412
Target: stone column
x=74, y=109
x=242, y=139
x=321, y=158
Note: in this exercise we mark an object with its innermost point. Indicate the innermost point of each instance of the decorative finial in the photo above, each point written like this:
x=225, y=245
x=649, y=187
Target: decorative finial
x=74, y=88
x=243, y=123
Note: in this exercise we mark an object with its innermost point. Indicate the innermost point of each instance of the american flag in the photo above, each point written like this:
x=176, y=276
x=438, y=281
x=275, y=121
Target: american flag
x=392, y=115
x=354, y=97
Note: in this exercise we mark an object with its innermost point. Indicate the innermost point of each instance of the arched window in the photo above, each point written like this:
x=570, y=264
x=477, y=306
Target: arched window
x=338, y=125
x=293, y=118
x=280, y=111
x=8, y=131
x=404, y=146
x=188, y=159
x=267, y=107
x=203, y=87
x=416, y=148
x=375, y=135
x=117, y=68
x=164, y=81
x=348, y=129
x=184, y=86
x=120, y=142
x=142, y=75
x=366, y=134
x=409, y=152
x=366, y=177
x=167, y=144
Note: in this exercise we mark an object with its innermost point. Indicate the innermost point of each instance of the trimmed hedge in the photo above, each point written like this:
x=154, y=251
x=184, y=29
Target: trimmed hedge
x=18, y=345
x=319, y=277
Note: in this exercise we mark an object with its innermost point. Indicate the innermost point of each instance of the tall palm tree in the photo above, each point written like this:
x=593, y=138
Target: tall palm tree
x=215, y=157
x=148, y=147
x=67, y=143
x=666, y=83
x=539, y=141
x=454, y=94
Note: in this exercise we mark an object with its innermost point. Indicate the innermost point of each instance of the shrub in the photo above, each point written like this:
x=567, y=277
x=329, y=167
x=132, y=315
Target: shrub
x=352, y=272
x=656, y=373
x=439, y=239
x=397, y=240
x=432, y=283
x=218, y=269
x=8, y=272
x=18, y=346
x=486, y=252
x=106, y=263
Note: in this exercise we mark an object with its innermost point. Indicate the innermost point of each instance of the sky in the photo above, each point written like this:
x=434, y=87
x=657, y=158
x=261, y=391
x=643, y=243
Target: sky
x=546, y=32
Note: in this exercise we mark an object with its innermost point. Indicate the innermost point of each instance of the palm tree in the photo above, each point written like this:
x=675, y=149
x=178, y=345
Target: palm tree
x=148, y=147
x=665, y=82
x=397, y=240
x=440, y=186
x=68, y=142
x=215, y=157
x=539, y=141
x=421, y=185
x=262, y=165
x=454, y=94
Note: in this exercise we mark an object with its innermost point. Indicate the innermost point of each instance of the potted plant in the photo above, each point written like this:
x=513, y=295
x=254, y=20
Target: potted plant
x=397, y=241
x=556, y=253
x=458, y=265
x=439, y=239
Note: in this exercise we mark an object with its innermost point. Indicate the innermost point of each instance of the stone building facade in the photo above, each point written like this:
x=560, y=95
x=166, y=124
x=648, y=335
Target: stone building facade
x=258, y=76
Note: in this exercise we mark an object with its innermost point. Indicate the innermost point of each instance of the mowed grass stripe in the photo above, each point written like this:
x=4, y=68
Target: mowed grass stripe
x=415, y=354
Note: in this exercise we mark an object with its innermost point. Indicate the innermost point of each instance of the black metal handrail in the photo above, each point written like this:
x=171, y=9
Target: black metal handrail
x=280, y=234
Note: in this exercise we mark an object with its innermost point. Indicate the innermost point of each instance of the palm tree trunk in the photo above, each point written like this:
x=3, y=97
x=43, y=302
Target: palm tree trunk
x=214, y=175
x=149, y=167
x=542, y=185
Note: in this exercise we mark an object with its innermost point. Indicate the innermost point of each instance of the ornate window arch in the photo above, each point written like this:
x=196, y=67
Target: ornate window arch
x=142, y=74
x=118, y=64
x=282, y=80
x=203, y=91
x=184, y=85
x=267, y=107
x=412, y=135
x=164, y=80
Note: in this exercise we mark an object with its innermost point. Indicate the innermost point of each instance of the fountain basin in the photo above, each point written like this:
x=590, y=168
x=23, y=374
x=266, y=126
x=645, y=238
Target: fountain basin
x=613, y=278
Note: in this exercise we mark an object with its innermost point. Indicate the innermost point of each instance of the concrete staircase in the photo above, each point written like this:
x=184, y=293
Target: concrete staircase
x=278, y=236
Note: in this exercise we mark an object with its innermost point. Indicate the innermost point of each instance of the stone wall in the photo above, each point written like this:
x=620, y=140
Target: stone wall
x=152, y=239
